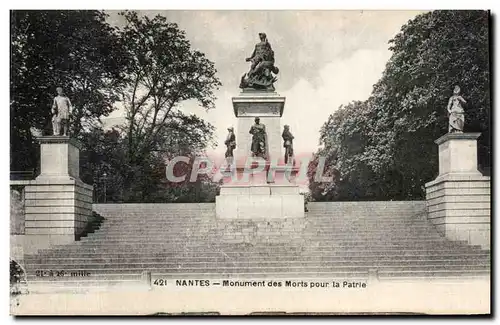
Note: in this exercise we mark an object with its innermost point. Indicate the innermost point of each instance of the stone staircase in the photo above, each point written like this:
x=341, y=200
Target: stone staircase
x=337, y=240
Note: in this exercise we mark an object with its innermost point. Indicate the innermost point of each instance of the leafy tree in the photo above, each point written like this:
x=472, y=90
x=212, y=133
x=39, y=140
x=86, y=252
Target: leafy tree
x=77, y=50
x=147, y=66
x=385, y=145
x=164, y=72
x=105, y=152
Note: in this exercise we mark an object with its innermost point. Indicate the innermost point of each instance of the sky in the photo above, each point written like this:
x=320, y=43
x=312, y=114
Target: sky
x=326, y=59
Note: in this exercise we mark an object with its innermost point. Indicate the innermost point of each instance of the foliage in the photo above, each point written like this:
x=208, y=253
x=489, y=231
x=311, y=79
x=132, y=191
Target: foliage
x=384, y=147
x=164, y=71
x=147, y=66
x=77, y=50
x=18, y=283
x=105, y=152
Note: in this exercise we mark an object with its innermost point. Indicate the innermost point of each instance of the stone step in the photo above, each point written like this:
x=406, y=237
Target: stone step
x=401, y=215
x=161, y=229
x=285, y=240
x=193, y=229
x=354, y=254
x=169, y=239
x=262, y=254
x=210, y=218
x=368, y=225
x=261, y=269
x=173, y=263
x=255, y=258
x=327, y=241
x=368, y=247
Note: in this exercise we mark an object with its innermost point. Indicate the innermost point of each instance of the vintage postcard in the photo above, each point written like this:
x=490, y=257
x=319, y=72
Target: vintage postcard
x=170, y=162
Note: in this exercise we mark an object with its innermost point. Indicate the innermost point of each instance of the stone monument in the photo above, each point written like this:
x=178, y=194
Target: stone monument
x=261, y=186
x=58, y=205
x=458, y=200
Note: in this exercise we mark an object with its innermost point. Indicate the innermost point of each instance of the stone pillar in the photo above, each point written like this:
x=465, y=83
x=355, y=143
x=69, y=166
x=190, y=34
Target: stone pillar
x=255, y=196
x=58, y=205
x=458, y=200
x=268, y=106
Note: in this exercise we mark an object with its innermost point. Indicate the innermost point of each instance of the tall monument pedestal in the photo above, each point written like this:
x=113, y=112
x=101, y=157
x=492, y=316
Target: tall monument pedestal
x=458, y=200
x=250, y=194
x=58, y=205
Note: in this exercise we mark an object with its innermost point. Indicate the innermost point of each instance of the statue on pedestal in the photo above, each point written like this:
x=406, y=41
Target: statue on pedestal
x=456, y=112
x=230, y=142
x=287, y=143
x=61, y=111
x=258, y=132
x=260, y=75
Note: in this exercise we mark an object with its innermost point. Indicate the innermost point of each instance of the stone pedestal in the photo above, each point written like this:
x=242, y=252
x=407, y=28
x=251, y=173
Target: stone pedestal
x=58, y=205
x=268, y=106
x=458, y=200
x=251, y=194
x=59, y=158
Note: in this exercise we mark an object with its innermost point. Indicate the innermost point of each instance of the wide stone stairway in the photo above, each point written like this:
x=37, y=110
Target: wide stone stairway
x=337, y=240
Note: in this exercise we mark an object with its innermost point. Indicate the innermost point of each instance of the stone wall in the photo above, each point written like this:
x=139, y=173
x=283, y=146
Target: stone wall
x=255, y=231
x=460, y=208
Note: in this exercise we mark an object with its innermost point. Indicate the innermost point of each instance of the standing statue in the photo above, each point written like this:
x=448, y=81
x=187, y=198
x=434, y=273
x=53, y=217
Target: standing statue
x=287, y=143
x=61, y=111
x=456, y=112
x=230, y=142
x=258, y=132
x=260, y=75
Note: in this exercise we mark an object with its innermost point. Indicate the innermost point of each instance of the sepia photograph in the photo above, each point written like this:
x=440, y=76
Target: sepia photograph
x=250, y=162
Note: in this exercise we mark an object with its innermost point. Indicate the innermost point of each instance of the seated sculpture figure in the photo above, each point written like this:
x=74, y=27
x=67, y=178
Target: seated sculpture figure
x=262, y=68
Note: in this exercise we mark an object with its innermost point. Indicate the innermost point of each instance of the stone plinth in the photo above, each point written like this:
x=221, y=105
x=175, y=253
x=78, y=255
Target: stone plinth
x=458, y=153
x=259, y=202
x=58, y=205
x=59, y=157
x=458, y=200
x=262, y=231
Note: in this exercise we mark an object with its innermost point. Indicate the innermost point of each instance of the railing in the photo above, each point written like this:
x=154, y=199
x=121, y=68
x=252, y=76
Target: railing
x=22, y=175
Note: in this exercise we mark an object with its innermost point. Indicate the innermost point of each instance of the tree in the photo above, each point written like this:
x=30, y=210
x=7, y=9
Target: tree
x=164, y=72
x=77, y=50
x=432, y=53
x=385, y=146
x=105, y=152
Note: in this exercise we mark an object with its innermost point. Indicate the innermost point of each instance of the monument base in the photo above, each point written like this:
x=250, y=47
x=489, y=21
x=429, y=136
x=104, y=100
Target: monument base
x=458, y=200
x=58, y=205
x=262, y=231
x=262, y=201
x=459, y=206
x=57, y=211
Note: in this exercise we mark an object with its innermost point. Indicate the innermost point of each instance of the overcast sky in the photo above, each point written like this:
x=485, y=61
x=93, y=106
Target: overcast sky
x=326, y=58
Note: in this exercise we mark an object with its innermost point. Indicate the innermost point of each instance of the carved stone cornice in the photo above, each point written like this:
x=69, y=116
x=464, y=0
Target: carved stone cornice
x=59, y=139
x=258, y=104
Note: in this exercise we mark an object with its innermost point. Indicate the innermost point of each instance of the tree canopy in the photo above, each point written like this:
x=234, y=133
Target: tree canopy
x=77, y=50
x=146, y=67
x=384, y=147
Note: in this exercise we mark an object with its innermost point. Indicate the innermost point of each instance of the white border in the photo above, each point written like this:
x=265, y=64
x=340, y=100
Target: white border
x=186, y=4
